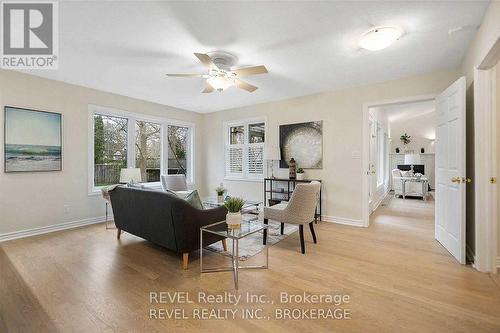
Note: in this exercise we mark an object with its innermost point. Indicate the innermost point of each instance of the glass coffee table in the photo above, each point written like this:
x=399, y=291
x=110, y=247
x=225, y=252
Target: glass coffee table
x=249, y=207
x=250, y=225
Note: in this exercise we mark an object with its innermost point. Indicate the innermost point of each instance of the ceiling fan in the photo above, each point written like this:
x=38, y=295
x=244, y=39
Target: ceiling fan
x=220, y=76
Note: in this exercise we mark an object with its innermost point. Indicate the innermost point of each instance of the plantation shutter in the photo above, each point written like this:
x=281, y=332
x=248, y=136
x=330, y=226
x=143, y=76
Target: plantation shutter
x=234, y=160
x=245, y=149
x=255, y=160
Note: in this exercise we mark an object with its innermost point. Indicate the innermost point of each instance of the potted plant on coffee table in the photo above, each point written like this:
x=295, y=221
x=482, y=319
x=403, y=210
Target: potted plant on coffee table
x=220, y=190
x=233, y=217
x=300, y=174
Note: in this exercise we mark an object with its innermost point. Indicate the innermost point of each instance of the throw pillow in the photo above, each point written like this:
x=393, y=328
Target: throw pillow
x=135, y=185
x=192, y=197
x=406, y=174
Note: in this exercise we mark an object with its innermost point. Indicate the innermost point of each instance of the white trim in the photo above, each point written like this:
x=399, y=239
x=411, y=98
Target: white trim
x=485, y=164
x=342, y=220
x=381, y=197
x=498, y=264
x=240, y=179
x=365, y=158
x=51, y=228
x=132, y=117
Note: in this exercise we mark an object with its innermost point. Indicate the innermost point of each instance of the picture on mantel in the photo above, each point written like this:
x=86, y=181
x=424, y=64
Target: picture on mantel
x=303, y=142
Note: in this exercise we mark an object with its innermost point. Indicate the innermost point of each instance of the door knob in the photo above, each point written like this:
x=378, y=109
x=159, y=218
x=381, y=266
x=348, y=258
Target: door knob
x=466, y=180
x=455, y=180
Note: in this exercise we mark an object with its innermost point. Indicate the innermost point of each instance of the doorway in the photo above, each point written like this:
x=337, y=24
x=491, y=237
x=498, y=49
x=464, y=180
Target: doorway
x=447, y=144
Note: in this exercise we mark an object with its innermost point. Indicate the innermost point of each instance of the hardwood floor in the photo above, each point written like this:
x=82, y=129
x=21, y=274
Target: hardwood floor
x=398, y=277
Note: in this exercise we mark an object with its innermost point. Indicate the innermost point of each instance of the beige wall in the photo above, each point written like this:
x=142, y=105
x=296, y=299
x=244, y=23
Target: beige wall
x=341, y=112
x=421, y=128
x=487, y=35
x=31, y=200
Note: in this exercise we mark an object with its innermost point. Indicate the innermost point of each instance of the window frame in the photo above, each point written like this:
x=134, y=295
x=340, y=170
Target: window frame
x=132, y=118
x=244, y=175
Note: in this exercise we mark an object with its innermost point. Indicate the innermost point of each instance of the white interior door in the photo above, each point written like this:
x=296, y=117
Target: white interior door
x=450, y=168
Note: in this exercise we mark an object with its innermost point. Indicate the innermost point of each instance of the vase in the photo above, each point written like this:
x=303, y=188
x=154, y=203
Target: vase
x=233, y=220
x=300, y=176
x=292, y=169
x=220, y=198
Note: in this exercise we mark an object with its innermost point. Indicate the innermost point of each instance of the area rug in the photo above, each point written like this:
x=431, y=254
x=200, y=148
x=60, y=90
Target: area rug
x=252, y=244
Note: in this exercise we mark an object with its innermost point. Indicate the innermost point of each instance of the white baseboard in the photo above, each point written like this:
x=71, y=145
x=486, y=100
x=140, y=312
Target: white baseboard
x=342, y=220
x=379, y=201
x=52, y=228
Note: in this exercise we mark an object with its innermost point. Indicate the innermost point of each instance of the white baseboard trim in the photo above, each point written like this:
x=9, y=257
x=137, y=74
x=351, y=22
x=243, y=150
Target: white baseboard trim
x=342, y=220
x=52, y=228
x=379, y=201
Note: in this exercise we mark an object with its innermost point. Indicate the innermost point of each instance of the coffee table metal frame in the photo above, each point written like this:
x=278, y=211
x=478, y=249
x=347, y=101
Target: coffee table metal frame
x=235, y=267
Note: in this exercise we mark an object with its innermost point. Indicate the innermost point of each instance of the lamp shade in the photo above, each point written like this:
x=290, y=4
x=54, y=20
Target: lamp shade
x=130, y=175
x=272, y=153
x=411, y=159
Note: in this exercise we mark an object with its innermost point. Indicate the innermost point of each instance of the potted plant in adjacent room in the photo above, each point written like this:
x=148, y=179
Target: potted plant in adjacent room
x=233, y=217
x=405, y=140
x=220, y=193
x=300, y=174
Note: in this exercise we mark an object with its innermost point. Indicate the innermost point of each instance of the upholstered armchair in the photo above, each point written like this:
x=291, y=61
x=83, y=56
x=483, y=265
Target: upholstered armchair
x=174, y=182
x=397, y=183
x=300, y=210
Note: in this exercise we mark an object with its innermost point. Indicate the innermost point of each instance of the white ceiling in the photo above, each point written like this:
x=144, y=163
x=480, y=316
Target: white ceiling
x=406, y=111
x=308, y=47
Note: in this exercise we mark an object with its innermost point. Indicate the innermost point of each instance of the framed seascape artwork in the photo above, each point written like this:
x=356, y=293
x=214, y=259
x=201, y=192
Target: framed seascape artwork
x=33, y=140
x=303, y=142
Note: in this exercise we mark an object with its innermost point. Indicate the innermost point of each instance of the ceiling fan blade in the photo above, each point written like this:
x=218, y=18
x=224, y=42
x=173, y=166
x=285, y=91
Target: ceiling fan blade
x=246, y=86
x=250, y=71
x=208, y=89
x=206, y=60
x=204, y=76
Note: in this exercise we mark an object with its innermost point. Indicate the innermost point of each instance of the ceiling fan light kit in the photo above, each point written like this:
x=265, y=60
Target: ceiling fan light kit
x=220, y=76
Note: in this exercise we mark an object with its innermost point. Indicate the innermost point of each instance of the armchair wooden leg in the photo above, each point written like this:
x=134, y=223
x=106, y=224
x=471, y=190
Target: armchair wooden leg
x=311, y=226
x=301, y=233
x=224, y=245
x=185, y=260
x=282, y=228
x=118, y=233
x=264, y=240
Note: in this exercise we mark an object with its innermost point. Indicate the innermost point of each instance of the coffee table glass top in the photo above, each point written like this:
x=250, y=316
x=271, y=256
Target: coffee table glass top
x=249, y=225
x=415, y=179
x=212, y=201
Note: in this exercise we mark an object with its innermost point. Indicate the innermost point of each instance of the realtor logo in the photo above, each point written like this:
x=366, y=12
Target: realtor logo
x=29, y=35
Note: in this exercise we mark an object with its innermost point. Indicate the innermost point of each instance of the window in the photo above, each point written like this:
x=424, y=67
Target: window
x=148, y=150
x=245, y=149
x=178, y=146
x=121, y=139
x=110, y=148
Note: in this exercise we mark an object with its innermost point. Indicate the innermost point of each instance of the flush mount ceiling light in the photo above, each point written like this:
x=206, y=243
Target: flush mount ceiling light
x=379, y=38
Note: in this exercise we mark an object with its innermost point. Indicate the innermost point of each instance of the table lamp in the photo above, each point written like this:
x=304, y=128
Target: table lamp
x=272, y=153
x=412, y=159
x=128, y=175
